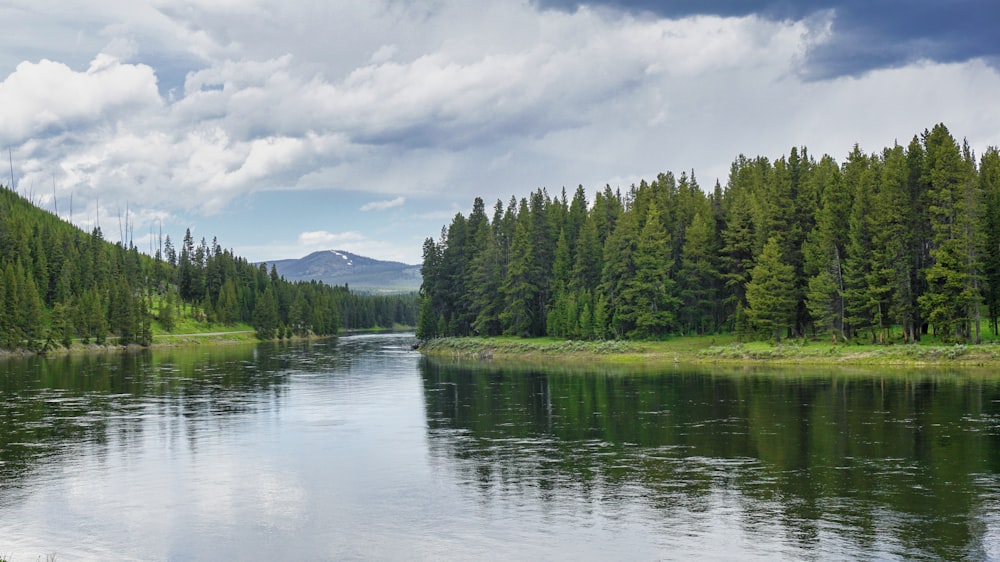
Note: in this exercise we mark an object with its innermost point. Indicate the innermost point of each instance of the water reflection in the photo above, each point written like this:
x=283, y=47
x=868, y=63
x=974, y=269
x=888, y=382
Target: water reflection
x=818, y=464
x=359, y=449
x=53, y=407
x=283, y=451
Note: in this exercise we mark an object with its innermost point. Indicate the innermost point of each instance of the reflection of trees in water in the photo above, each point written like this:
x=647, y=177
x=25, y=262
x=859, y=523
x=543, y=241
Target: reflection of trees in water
x=51, y=407
x=903, y=463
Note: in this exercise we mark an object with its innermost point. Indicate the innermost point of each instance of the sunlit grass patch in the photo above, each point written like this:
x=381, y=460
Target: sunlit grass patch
x=715, y=349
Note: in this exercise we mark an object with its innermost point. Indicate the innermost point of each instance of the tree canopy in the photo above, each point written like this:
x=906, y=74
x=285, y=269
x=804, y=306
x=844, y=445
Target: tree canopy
x=901, y=241
x=58, y=283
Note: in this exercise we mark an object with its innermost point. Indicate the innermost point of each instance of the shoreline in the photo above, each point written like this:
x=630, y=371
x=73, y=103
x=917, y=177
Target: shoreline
x=705, y=350
x=169, y=341
x=160, y=342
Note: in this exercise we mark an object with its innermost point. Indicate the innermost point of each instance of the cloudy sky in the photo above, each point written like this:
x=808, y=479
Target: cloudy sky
x=284, y=127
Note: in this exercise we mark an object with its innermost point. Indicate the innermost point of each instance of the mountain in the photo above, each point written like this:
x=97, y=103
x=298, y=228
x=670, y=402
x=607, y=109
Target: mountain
x=337, y=267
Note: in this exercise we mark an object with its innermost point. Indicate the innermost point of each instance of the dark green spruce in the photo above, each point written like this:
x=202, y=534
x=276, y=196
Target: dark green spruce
x=888, y=246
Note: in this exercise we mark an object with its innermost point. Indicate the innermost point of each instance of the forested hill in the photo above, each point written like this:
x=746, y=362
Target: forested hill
x=887, y=246
x=59, y=284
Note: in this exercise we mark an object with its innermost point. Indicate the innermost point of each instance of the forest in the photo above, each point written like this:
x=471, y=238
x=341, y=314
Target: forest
x=885, y=247
x=59, y=284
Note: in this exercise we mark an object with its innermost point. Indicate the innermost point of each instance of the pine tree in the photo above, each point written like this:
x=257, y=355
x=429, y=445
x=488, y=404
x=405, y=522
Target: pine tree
x=824, y=250
x=771, y=291
x=61, y=329
x=298, y=319
x=486, y=277
x=10, y=306
x=738, y=241
x=649, y=299
x=588, y=258
x=120, y=311
x=889, y=277
x=431, y=290
x=185, y=269
x=919, y=224
x=227, y=307
x=989, y=181
x=166, y=311
x=952, y=299
x=618, y=273
x=700, y=278
x=30, y=318
x=519, y=290
x=858, y=301
x=265, y=315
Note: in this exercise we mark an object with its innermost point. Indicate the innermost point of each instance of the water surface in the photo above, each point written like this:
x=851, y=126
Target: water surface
x=358, y=448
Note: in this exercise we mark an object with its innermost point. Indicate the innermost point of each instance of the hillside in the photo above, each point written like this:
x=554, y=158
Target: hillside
x=62, y=287
x=337, y=267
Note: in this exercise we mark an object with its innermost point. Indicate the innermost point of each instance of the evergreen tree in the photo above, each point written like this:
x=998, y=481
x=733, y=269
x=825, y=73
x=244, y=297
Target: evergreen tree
x=520, y=290
x=771, y=292
x=919, y=221
x=30, y=308
x=989, y=182
x=61, y=329
x=700, y=278
x=427, y=325
x=858, y=300
x=588, y=258
x=648, y=300
x=120, y=311
x=825, y=249
x=889, y=277
x=166, y=312
x=618, y=273
x=227, y=308
x=298, y=319
x=738, y=241
x=265, y=316
x=952, y=299
x=431, y=293
x=485, y=274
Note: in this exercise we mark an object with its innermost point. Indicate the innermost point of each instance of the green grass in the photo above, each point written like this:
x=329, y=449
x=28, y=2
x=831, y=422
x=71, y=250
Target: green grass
x=715, y=350
x=190, y=325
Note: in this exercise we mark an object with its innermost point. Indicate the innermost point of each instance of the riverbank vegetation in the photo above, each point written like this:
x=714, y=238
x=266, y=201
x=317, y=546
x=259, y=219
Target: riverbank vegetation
x=715, y=350
x=62, y=287
x=897, y=246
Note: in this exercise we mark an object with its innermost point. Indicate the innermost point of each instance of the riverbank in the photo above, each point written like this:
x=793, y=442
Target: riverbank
x=712, y=350
x=160, y=341
x=169, y=340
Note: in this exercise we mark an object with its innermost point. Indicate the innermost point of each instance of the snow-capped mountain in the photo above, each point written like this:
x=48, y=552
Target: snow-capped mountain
x=337, y=267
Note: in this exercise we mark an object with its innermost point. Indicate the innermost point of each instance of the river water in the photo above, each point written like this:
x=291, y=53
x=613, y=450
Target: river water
x=360, y=449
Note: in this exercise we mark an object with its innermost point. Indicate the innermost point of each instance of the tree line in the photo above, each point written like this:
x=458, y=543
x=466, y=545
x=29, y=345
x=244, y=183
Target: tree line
x=59, y=284
x=887, y=246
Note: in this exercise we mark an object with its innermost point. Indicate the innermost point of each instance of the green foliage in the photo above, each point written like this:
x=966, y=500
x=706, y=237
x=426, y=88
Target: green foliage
x=989, y=186
x=648, y=298
x=770, y=292
x=892, y=244
x=265, y=315
x=59, y=285
x=700, y=278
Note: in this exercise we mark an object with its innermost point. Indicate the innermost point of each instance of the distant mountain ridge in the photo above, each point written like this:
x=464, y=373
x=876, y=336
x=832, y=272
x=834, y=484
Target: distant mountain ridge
x=337, y=267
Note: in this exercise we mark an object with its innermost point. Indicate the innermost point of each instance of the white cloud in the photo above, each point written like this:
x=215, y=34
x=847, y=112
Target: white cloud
x=467, y=99
x=383, y=205
x=322, y=238
x=48, y=97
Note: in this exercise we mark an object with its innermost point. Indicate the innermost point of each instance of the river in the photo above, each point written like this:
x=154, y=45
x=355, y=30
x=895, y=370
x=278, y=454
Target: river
x=361, y=449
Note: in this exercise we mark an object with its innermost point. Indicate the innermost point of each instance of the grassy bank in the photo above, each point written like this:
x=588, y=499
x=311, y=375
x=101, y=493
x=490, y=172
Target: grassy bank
x=218, y=335
x=713, y=350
